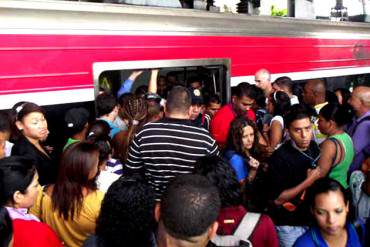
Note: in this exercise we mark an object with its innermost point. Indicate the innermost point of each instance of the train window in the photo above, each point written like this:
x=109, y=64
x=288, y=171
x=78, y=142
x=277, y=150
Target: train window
x=211, y=74
x=349, y=81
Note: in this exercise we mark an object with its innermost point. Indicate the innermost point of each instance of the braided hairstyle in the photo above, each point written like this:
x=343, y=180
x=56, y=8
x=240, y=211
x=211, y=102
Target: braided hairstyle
x=135, y=111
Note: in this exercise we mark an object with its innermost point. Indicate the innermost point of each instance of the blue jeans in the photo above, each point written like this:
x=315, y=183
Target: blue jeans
x=289, y=234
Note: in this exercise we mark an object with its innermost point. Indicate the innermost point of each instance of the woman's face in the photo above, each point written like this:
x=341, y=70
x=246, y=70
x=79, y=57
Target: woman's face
x=330, y=212
x=28, y=199
x=34, y=126
x=323, y=125
x=248, y=137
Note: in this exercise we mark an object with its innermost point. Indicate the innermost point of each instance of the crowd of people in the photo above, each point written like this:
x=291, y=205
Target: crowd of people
x=168, y=165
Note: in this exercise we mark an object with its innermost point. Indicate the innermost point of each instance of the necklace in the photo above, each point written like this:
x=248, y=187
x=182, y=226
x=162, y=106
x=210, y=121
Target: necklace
x=312, y=159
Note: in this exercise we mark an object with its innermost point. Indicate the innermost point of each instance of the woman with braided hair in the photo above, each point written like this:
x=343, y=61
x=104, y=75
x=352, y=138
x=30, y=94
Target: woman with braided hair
x=135, y=110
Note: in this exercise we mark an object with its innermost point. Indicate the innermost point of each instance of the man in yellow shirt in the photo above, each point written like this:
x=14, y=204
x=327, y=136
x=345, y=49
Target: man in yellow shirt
x=314, y=94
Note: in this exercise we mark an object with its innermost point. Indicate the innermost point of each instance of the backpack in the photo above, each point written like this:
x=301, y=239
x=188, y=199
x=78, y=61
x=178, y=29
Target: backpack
x=241, y=234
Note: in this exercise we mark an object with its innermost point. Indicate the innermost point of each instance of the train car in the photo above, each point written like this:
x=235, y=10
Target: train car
x=53, y=52
x=57, y=53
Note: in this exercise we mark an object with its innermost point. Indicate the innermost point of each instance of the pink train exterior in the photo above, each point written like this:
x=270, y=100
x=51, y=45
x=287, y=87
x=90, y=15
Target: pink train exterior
x=52, y=52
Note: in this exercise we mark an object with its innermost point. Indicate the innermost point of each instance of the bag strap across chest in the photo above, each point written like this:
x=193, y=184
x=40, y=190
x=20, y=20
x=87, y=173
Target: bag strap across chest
x=242, y=232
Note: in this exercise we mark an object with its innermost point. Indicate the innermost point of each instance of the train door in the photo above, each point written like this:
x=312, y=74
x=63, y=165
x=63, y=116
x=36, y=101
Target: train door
x=213, y=75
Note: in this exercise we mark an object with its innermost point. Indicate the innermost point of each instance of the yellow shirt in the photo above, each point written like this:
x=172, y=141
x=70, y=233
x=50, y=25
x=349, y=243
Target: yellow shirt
x=319, y=137
x=72, y=232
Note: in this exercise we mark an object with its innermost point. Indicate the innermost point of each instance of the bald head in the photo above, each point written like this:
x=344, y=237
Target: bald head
x=317, y=85
x=360, y=100
x=314, y=92
x=263, y=80
x=363, y=93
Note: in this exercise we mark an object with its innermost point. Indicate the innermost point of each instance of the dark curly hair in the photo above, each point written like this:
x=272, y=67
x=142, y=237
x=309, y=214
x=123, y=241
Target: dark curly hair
x=222, y=176
x=127, y=214
x=236, y=134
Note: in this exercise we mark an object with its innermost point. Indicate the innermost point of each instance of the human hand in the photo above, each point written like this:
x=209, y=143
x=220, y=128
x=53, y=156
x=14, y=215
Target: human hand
x=266, y=128
x=135, y=74
x=49, y=149
x=268, y=150
x=253, y=163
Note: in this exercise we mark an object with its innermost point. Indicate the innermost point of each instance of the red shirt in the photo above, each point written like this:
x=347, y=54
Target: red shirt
x=264, y=233
x=30, y=233
x=221, y=121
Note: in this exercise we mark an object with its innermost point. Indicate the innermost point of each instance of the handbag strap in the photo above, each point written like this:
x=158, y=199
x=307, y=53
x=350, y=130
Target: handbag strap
x=247, y=225
x=337, y=144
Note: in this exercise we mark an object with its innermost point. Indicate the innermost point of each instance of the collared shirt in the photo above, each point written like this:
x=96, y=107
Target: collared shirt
x=8, y=148
x=167, y=148
x=20, y=213
x=70, y=141
x=319, y=137
x=294, y=100
x=360, y=133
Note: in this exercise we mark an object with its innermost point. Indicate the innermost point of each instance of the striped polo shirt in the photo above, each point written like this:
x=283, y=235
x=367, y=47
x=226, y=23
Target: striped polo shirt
x=167, y=148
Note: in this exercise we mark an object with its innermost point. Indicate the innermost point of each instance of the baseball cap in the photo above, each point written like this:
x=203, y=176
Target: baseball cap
x=153, y=96
x=196, y=96
x=76, y=118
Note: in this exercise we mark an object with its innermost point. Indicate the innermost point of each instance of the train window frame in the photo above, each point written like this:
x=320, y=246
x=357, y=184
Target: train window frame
x=100, y=67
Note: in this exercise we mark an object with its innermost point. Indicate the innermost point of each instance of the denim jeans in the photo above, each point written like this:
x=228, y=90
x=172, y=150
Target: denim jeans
x=289, y=234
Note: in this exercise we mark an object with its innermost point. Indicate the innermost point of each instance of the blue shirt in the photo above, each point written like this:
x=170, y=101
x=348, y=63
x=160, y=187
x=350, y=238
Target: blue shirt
x=238, y=163
x=125, y=87
x=113, y=129
x=313, y=238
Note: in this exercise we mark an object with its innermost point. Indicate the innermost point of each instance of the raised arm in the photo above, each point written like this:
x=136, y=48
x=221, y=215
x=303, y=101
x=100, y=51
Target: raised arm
x=127, y=84
x=152, y=88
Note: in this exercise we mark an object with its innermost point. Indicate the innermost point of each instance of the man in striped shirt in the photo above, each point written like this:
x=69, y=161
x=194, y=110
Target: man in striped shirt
x=169, y=147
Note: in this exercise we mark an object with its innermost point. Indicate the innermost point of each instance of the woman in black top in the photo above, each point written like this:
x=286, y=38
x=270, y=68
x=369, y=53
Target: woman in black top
x=32, y=125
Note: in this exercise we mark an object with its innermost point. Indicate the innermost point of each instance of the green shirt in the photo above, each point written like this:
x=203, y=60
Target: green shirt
x=339, y=171
x=69, y=142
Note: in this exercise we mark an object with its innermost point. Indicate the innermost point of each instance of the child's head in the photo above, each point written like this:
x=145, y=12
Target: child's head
x=18, y=182
x=213, y=104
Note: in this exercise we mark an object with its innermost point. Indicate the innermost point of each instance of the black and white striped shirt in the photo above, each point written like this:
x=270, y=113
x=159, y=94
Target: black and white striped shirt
x=167, y=148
